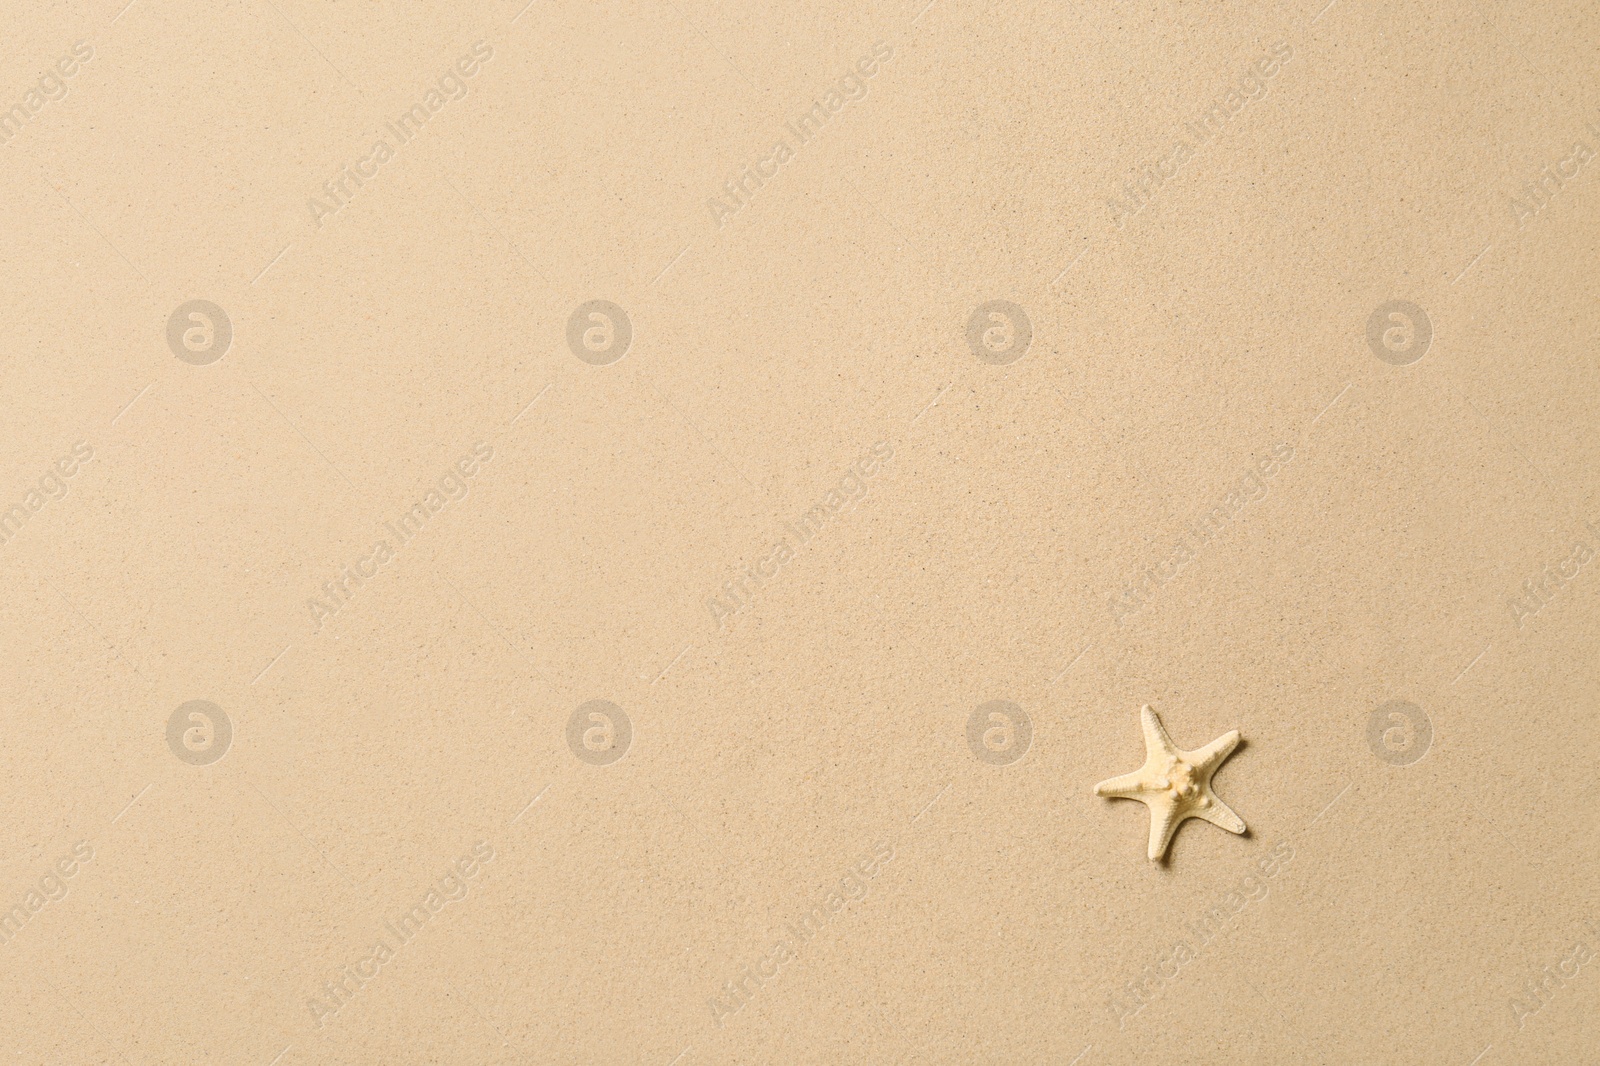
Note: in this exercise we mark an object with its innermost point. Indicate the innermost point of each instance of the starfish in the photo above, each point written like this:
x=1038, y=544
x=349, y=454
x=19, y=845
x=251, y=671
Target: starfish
x=1175, y=784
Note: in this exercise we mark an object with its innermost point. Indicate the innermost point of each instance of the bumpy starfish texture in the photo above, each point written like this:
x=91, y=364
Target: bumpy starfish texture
x=1175, y=784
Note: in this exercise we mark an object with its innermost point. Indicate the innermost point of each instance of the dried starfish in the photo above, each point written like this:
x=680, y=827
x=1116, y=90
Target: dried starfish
x=1175, y=784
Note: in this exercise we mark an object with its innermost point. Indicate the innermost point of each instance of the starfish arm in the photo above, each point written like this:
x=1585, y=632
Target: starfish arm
x=1211, y=756
x=1164, y=819
x=1221, y=815
x=1155, y=734
x=1127, y=786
